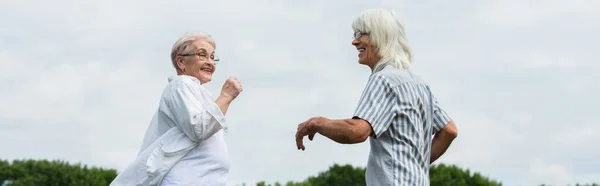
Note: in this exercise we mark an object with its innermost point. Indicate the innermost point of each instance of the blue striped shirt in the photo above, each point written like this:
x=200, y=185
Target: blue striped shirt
x=404, y=114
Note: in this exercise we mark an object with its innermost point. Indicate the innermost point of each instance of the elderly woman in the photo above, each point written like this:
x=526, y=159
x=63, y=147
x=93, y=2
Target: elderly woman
x=184, y=142
x=397, y=109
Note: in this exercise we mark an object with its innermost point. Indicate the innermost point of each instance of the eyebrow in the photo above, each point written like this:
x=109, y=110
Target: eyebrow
x=204, y=50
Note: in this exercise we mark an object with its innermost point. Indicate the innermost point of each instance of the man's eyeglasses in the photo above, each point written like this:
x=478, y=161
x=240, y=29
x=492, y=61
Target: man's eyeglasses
x=358, y=34
x=203, y=56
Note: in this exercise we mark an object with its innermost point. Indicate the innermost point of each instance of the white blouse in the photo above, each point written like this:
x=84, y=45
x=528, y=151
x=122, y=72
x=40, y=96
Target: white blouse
x=184, y=143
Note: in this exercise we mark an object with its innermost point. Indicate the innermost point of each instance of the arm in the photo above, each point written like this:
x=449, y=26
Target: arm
x=223, y=102
x=374, y=113
x=197, y=118
x=230, y=90
x=376, y=109
x=345, y=131
x=378, y=105
x=444, y=131
x=442, y=140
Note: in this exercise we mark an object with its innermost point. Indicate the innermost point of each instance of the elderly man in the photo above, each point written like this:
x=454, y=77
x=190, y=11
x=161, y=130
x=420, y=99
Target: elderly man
x=397, y=108
x=184, y=142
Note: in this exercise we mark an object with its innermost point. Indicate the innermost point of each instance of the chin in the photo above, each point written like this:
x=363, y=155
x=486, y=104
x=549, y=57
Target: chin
x=204, y=78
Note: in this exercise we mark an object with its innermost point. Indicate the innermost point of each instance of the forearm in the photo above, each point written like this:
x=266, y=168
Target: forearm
x=440, y=143
x=223, y=103
x=343, y=131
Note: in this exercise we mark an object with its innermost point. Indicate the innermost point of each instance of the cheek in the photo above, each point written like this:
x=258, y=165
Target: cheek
x=373, y=52
x=194, y=66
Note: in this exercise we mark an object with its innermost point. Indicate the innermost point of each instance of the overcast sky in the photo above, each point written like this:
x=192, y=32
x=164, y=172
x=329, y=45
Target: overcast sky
x=81, y=79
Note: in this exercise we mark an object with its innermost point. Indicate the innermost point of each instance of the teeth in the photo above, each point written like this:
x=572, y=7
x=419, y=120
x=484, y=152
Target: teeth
x=361, y=50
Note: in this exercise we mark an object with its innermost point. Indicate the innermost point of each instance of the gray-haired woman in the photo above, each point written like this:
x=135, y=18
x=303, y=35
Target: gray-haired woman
x=397, y=111
x=184, y=142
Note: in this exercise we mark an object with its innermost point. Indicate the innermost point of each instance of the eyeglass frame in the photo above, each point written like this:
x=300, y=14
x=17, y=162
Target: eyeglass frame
x=358, y=34
x=197, y=53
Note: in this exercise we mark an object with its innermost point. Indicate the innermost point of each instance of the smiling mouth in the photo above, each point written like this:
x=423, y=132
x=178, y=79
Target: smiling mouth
x=361, y=50
x=209, y=70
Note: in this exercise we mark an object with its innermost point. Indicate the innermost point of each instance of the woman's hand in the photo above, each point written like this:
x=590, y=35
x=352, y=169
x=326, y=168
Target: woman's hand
x=231, y=88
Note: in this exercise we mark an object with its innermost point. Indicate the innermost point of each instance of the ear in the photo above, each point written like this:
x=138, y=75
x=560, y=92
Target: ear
x=179, y=62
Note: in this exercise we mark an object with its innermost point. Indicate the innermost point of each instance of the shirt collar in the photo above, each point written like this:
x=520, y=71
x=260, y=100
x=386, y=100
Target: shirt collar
x=184, y=76
x=380, y=67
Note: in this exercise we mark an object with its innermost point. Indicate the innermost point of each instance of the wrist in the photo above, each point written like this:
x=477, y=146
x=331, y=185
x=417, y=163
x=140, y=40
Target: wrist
x=226, y=98
x=319, y=123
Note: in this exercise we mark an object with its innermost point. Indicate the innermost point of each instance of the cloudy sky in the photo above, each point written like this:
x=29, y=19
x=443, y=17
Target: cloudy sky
x=81, y=79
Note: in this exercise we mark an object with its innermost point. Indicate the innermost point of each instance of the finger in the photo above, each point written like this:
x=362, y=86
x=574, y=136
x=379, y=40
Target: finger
x=301, y=125
x=311, y=136
x=299, y=138
x=302, y=131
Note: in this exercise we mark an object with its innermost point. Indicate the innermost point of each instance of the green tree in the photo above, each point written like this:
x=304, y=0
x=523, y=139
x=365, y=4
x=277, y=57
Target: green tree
x=347, y=175
x=59, y=173
x=577, y=184
x=442, y=175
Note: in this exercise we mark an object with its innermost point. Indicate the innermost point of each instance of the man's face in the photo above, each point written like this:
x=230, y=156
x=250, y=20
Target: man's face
x=200, y=65
x=367, y=53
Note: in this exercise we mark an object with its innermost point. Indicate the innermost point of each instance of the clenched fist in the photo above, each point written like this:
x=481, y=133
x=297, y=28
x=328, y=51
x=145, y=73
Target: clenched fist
x=231, y=88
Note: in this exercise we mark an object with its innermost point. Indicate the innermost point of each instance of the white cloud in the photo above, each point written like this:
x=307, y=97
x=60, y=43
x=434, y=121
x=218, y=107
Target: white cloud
x=519, y=13
x=540, y=61
x=551, y=173
x=11, y=66
x=85, y=77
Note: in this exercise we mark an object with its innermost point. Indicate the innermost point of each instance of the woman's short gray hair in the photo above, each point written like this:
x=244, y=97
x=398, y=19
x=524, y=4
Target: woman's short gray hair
x=387, y=34
x=183, y=42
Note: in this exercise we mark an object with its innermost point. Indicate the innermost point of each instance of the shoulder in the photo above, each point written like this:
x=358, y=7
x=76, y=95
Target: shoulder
x=387, y=76
x=182, y=85
x=396, y=77
x=183, y=81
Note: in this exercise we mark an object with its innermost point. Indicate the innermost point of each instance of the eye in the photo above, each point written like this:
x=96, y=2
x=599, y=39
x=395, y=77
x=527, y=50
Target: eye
x=357, y=35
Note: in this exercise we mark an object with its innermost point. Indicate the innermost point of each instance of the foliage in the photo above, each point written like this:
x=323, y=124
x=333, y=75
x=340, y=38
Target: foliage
x=452, y=175
x=348, y=175
x=59, y=173
x=439, y=175
x=591, y=184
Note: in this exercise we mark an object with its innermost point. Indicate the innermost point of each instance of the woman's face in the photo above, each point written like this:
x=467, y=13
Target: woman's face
x=198, y=61
x=367, y=53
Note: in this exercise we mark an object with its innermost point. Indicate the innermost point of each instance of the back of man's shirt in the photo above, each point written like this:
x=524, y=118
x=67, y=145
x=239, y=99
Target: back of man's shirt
x=404, y=114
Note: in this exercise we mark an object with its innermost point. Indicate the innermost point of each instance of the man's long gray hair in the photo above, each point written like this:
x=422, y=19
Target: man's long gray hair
x=387, y=34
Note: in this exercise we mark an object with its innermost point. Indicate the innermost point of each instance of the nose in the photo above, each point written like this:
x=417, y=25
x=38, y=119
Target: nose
x=355, y=42
x=211, y=62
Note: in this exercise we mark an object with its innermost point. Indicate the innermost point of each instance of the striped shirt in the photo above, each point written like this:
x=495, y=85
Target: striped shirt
x=404, y=114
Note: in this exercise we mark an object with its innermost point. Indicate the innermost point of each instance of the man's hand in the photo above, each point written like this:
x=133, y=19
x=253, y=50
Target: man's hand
x=442, y=140
x=231, y=88
x=308, y=128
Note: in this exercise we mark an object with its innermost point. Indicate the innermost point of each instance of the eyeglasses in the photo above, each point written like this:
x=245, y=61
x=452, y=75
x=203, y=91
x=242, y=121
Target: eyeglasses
x=358, y=34
x=203, y=56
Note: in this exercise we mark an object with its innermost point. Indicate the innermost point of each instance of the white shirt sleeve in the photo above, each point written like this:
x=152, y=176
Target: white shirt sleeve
x=193, y=111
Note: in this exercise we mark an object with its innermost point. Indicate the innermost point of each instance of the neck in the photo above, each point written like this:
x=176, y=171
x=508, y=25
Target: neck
x=373, y=65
